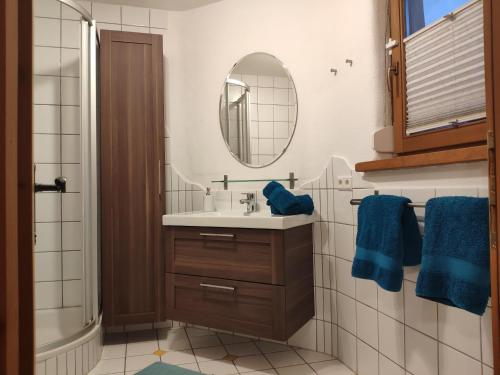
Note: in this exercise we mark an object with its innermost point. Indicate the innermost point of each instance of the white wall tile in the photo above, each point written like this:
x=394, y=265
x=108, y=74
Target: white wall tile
x=48, y=295
x=305, y=337
x=46, y=90
x=72, y=265
x=346, y=313
x=70, y=148
x=48, y=236
x=421, y=353
x=460, y=330
x=47, y=207
x=106, y=13
x=366, y=292
x=72, y=235
x=391, y=339
x=366, y=324
x=70, y=34
x=347, y=349
x=367, y=360
x=391, y=303
x=46, y=119
x=47, y=32
x=47, y=266
x=46, y=173
x=135, y=16
x=47, y=8
x=452, y=362
x=73, y=173
x=70, y=91
x=420, y=313
x=135, y=29
x=72, y=293
x=486, y=338
x=344, y=241
x=46, y=61
x=343, y=208
x=70, y=120
x=71, y=207
x=387, y=367
x=70, y=62
x=345, y=282
x=46, y=148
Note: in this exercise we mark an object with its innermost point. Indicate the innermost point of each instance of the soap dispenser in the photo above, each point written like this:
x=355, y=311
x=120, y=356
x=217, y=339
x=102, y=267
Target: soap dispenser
x=209, y=203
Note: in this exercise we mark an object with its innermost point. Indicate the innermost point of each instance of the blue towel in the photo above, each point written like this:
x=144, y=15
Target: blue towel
x=455, y=257
x=283, y=202
x=388, y=238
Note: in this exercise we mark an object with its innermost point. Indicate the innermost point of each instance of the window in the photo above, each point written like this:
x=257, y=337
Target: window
x=437, y=73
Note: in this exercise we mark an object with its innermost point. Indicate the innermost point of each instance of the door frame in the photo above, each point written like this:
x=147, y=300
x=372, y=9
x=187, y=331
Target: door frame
x=16, y=189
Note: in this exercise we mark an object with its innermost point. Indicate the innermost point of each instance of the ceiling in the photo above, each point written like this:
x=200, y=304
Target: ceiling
x=163, y=4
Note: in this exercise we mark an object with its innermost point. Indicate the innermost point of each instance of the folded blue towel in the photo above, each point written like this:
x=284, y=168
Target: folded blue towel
x=388, y=238
x=455, y=256
x=283, y=202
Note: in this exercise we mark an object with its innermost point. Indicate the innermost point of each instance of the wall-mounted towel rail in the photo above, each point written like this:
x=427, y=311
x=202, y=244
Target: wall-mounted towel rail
x=291, y=179
x=357, y=202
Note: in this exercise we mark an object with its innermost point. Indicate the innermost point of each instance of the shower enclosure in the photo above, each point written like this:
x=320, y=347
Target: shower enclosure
x=236, y=118
x=66, y=52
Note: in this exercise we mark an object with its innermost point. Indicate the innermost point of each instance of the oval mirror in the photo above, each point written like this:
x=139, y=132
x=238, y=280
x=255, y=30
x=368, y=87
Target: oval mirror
x=258, y=110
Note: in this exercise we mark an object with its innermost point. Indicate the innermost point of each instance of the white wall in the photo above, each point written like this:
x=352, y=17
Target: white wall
x=337, y=114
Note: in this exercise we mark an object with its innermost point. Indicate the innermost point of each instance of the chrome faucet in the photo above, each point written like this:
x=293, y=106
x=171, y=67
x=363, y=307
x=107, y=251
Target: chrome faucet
x=250, y=201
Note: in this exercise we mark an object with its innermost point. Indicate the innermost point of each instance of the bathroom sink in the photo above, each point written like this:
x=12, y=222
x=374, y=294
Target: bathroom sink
x=237, y=219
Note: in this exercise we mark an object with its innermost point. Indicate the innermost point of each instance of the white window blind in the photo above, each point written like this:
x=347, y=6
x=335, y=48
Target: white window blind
x=445, y=72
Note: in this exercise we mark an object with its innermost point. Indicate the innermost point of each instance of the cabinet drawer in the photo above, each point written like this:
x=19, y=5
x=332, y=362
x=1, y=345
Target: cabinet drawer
x=240, y=254
x=248, y=308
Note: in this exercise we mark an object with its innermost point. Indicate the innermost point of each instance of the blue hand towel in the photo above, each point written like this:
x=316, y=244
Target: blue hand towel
x=283, y=202
x=455, y=256
x=388, y=238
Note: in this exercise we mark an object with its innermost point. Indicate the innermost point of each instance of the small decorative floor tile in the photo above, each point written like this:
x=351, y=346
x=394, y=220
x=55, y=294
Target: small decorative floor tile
x=159, y=353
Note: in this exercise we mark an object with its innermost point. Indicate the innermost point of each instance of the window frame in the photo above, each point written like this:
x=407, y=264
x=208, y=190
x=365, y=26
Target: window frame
x=467, y=135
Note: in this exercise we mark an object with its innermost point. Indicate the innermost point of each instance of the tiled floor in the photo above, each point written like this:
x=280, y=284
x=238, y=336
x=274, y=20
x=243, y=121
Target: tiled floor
x=210, y=353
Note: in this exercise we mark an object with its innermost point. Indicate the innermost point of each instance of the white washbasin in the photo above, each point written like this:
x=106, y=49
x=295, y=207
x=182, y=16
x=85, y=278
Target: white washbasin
x=236, y=219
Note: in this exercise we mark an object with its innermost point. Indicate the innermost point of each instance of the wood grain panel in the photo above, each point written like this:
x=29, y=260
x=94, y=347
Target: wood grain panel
x=131, y=176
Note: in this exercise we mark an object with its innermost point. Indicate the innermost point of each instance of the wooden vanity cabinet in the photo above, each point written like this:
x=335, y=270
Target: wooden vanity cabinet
x=252, y=281
x=132, y=177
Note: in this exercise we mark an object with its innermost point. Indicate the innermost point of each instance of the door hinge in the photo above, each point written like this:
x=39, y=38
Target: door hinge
x=493, y=240
x=491, y=140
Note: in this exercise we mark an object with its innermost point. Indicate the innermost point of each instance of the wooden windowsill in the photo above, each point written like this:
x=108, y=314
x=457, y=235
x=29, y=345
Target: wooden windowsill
x=460, y=155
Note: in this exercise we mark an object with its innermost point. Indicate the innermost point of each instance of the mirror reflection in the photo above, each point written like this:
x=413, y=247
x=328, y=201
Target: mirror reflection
x=258, y=109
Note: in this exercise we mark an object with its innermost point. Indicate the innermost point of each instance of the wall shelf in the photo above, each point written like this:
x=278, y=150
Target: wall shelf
x=460, y=155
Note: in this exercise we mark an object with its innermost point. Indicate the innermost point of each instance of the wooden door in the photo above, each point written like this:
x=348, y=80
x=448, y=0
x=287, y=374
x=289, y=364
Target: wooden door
x=492, y=73
x=16, y=189
x=132, y=170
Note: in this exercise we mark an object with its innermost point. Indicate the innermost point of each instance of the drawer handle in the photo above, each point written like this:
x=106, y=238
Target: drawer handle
x=217, y=235
x=212, y=286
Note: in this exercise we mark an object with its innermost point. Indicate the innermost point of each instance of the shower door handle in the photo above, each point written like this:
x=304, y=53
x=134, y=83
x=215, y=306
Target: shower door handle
x=59, y=186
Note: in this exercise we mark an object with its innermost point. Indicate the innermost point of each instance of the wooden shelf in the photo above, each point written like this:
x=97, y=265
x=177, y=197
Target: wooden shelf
x=461, y=155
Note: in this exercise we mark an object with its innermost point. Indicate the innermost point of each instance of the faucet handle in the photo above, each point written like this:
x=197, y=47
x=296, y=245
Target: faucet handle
x=249, y=195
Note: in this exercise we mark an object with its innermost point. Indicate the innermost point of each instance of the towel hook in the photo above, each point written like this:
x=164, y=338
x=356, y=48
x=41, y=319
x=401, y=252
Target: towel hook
x=333, y=70
x=349, y=61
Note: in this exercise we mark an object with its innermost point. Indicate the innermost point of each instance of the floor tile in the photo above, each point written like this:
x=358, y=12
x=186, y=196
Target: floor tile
x=252, y=363
x=232, y=339
x=296, y=370
x=198, y=332
x=141, y=348
x=204, y=341
x=113, y=351
x=331, y=367
x=262, y=372
x=218, y=368
x=109, y=366
x=284, y=359
x=247, y=348
x=311, y=356
x=137, y=363
x=210, y=354
x=271, y=347
x=191, y=366
x=179, y=357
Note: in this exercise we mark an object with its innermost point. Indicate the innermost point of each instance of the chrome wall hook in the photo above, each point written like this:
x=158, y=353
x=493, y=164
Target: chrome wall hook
x=334, y=71
x=349, y=61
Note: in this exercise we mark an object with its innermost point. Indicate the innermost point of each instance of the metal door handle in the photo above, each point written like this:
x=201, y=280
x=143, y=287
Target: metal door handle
x=390, y=71
x=212, y=286
x=217, y=235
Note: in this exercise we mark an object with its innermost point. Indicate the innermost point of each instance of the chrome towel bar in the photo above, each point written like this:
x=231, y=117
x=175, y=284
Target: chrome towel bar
x=357, y=202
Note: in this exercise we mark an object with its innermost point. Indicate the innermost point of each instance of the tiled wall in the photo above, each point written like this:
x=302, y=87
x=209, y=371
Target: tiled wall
x=58, y=250
x=273, y=113
x=380, y=332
